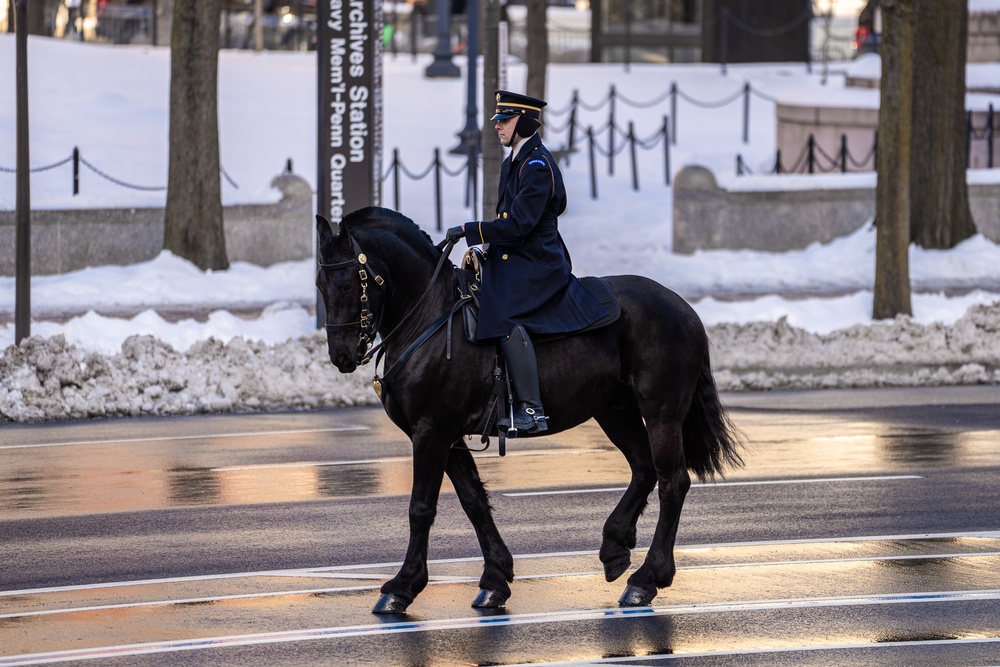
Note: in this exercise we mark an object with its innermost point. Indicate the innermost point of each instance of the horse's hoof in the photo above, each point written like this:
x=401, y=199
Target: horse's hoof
x=635, y=597
x=616, y=568
x=488, y=599
x=390, y=604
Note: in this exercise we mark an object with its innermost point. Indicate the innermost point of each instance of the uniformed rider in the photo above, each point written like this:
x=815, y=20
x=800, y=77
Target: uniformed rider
x=527, y=283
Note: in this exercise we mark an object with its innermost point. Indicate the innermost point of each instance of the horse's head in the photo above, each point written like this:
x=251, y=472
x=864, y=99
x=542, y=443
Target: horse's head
x=349, y=288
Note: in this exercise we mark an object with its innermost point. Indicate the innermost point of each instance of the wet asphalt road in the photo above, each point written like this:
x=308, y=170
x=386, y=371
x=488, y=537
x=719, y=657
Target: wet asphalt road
x=863, y=530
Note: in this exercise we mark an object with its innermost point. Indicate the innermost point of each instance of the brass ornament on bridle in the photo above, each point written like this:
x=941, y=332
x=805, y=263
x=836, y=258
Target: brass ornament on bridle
x=367, y=324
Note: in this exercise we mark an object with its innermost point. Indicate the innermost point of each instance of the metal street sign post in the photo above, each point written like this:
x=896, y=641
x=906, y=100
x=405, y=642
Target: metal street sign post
x=22, y=253
x=349, y=148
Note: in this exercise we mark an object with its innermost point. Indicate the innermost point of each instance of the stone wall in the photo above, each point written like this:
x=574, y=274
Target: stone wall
x=789, y=216
x=984, y=37
x=72, y=239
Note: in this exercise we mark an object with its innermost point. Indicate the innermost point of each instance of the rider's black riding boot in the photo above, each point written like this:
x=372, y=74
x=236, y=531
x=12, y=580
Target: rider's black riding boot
x=529, y=417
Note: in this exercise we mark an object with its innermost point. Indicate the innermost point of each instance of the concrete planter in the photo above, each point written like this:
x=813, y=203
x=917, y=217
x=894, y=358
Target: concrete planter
x=788, y=214
x=68, y=240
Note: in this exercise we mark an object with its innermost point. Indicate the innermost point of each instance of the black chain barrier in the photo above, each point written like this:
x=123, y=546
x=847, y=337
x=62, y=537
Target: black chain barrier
x=813, y=158
x=77, y=159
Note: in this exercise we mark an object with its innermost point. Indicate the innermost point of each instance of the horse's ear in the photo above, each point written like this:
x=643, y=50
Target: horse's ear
x=323, y=230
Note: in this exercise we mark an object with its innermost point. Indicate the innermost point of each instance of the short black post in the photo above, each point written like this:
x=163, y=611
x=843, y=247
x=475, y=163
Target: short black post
x=843, y=153
x=593, y=165
x=968, y=140
x=288, y=166
x=875, y=152
x=746, y=112
x=739, y=164
x=673, y=113
x=395, y=178
x=572, y=121
x=611, y=134
x=631, y=147
x=989, y=138
x=811, y=154
x=666, y=148
x=777, y=162
x=76, y=170
x=437, y=187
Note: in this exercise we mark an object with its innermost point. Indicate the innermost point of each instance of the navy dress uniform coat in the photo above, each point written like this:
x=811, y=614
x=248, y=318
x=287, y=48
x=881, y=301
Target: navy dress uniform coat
x=527, y=276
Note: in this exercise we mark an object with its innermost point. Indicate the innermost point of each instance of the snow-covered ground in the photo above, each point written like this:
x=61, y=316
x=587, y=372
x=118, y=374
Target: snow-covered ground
x=777, y=320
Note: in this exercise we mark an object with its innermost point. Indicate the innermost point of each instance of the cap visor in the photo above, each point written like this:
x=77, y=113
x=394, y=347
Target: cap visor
x=503, y=116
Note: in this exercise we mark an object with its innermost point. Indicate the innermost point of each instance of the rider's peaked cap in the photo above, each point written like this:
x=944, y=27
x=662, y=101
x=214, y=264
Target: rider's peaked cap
x=514, y=104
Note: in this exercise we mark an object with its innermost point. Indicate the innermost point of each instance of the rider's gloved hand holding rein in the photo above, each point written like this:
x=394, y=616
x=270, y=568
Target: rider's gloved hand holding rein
x=455, y=233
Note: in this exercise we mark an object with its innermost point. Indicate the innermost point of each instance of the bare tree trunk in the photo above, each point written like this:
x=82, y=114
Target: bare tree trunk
x=258, y=25
x=939, y=193
x=164, y=21
x=892, y=191
x=537, y=55
x=193, y=225
x=492, y=150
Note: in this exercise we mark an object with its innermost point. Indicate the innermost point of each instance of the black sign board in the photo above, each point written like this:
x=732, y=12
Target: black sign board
x=349, y=149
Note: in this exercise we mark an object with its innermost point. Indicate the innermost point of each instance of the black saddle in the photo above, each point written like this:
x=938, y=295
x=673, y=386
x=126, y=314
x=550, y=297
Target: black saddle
x=469, y=285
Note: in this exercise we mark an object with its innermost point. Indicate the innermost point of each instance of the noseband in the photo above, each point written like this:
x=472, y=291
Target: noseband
x=367, y=325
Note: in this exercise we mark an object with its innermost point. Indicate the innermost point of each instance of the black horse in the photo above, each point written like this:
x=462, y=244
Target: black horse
x=646, y=379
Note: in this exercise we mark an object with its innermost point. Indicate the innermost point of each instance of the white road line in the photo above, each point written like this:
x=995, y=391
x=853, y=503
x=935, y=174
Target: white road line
x=398, y=459
x=764, y=651
x=442, y=580
x=407, y=627
x=809, y=480
x=308, y=572
x=199, y=436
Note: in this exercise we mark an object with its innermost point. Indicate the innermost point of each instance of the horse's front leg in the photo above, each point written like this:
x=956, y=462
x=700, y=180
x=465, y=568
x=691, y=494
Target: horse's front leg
x=498, y=570
x=429, y=460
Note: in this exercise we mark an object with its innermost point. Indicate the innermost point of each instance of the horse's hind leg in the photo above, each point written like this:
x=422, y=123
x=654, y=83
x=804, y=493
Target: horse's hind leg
x=498, y=570
x=674, y=481
x=623, y=425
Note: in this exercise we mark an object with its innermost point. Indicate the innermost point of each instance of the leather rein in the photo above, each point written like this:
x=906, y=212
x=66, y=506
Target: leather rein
x=367, y=324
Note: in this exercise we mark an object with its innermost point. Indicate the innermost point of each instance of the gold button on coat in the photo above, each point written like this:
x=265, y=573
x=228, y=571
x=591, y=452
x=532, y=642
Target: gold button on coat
x=505, y=214
x=504, y=256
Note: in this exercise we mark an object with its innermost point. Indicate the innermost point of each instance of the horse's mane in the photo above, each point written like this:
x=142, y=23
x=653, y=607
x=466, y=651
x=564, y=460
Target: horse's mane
x=394, y=223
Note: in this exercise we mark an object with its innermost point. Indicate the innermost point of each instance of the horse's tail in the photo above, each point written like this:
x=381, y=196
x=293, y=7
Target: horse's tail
x=711, y=440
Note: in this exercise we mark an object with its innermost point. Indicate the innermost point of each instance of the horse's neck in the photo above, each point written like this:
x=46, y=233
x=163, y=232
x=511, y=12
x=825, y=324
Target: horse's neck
x=408, y=292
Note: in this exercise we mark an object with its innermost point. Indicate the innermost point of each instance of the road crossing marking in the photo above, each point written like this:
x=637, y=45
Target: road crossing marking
x=458, y=579
x=309, y=572
x=765, y=482
x=578, y=615
x=397, y=459
x=199, y=436
x=631, y=659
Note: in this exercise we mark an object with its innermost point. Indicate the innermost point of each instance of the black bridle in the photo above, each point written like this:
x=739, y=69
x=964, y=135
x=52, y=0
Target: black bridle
x=367, y=325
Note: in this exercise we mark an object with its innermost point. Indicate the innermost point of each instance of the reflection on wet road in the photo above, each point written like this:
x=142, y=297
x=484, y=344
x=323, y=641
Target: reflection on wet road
x=861, y=531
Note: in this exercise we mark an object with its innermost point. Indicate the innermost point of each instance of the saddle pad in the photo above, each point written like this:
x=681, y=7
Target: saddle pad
x=598, y=287
x=602, y=291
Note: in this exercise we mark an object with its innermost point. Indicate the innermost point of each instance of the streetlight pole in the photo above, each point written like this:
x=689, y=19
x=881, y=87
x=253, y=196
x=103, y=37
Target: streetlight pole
x=442, y=65
x=470, y=136
x=22, y=253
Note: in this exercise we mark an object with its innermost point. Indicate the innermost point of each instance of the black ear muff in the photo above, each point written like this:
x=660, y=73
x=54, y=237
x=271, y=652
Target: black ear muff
x=526, y=126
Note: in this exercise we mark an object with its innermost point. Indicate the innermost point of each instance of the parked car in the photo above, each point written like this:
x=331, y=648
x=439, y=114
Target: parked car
x=868, y=34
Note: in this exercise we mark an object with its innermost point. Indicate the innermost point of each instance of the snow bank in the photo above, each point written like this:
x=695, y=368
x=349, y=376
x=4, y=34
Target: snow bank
x=48, y=379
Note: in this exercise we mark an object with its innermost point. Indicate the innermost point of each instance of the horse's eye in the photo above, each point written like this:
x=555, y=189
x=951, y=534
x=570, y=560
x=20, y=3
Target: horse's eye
x=345, y=288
